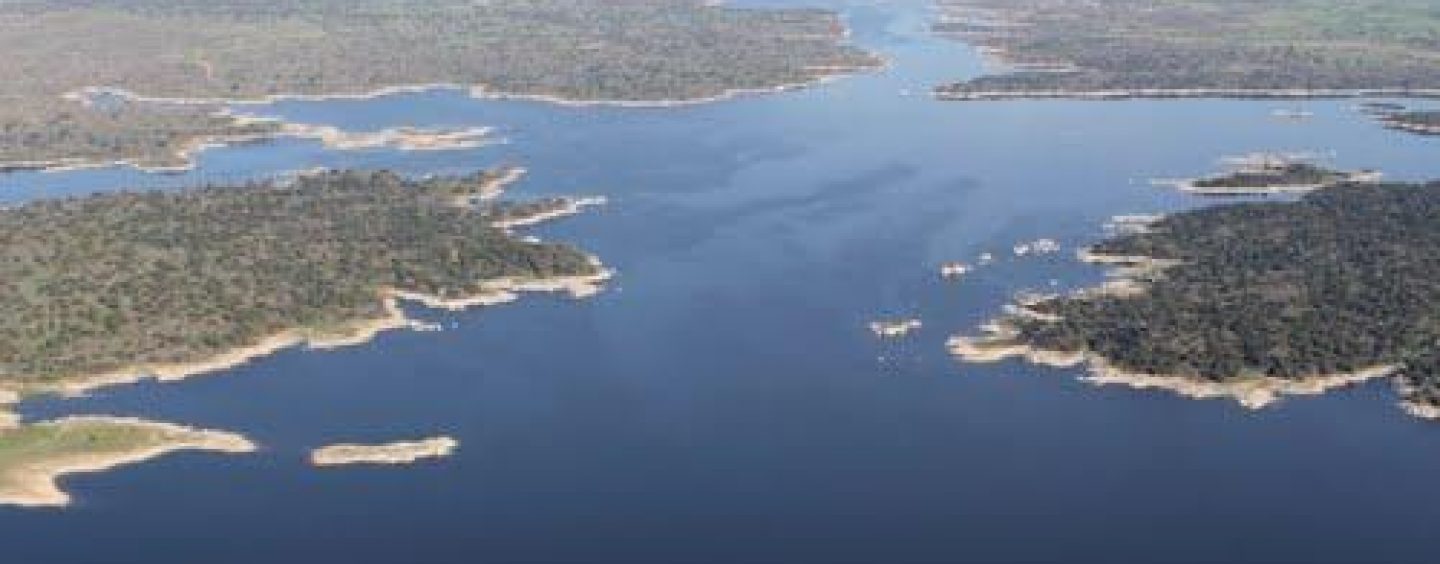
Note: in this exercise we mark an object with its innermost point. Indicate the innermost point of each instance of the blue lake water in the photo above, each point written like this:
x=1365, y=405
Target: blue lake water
x=723, y=401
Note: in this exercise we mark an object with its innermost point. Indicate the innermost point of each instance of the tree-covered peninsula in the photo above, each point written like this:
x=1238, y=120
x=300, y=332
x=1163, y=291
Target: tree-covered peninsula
x=128, y=283
x=1268, y=297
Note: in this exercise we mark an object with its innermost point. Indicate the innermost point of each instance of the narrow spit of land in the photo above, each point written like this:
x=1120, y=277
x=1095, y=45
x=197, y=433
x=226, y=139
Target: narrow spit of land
x=33, y=458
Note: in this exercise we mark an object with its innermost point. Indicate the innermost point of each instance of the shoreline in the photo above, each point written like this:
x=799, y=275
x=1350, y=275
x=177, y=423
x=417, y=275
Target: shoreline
x=37, y=484
x=494, y=292
x=1252, y=393
x=1000, y=61
x=490, y=292
x=999, y=341
x=405, y=139
x=494, y=188
x=324, y=133
x=572, y=206
x=1426, y=411
x=1121, y=94
x=1191, y=185
x=1397, y=124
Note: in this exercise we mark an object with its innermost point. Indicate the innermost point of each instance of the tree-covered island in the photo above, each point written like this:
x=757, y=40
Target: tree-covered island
x=1255, y=300
x=1272, y=175
x=1422, y=122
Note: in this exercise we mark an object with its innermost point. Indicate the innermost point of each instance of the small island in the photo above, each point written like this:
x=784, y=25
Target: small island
x=895, y=328
x=955, y=270
x=405, y=452
x=1421, y=122
x=1269, y=174
x=1253, y=301
x=1043, y=246
x=34, y=457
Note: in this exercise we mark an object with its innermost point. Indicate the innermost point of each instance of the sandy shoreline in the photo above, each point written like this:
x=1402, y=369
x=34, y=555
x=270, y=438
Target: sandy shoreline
x=407, y=139
x=397, y=453
x=1253, y=393
x=400, y=138
x=999, y=60
x=571, y=206
x=495, y=187
x=1420, y=410
x=1190, y=185
x=999, y=341
x=1188, y=93
x=490, y=292
x=494, y=292
x=36, y=484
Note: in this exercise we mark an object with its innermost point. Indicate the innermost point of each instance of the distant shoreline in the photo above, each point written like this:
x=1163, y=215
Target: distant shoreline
x=335, y=138
x=1188, y=93
x=405, y=139
x=1191, y=185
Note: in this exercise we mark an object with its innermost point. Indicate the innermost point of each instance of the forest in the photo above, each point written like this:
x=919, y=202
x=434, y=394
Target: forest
x=101, y=283
x=1329, y=283
x=631, y=50
x=1079, y=46
x=1278, y=175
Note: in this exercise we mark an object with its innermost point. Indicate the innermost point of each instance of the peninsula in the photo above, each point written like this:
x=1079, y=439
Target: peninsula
x=34, y=457
x=1253, y=301
x=405, y=452
x=119, y=286
x=1120, y=49
x=89, y=83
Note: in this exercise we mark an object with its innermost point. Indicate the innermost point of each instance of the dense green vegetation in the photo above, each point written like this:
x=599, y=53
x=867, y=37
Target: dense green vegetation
x=1276, y=174
x=1337, y=281
x=1242, y=45
x=630, y=50
x=100, y=283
